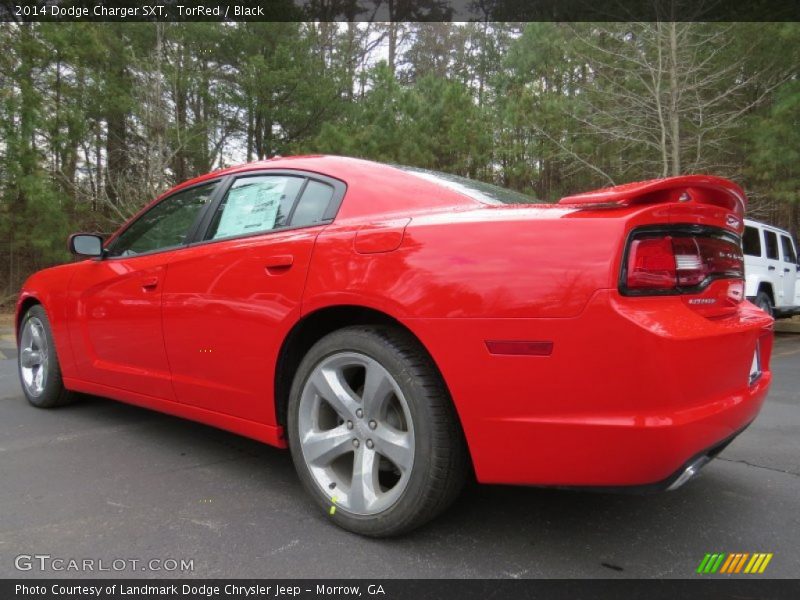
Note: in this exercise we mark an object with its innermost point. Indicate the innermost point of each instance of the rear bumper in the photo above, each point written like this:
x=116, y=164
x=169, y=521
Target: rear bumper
x=685, y=473
x=634, y=390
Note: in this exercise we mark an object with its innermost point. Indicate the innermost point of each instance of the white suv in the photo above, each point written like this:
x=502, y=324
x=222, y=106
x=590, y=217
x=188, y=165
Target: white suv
x=770, y=266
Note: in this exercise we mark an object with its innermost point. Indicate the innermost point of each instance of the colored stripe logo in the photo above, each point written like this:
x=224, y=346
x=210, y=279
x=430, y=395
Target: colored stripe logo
x=733, y=563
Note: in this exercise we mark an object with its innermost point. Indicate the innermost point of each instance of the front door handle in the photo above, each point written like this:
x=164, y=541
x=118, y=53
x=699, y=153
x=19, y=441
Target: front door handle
x=150, y=283
x=770, y=268
x=279, y=263
x=787, y=270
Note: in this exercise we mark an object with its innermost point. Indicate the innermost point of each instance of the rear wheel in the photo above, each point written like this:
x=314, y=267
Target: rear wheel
x=39, y=370
x=764, y=302
x=373, y=433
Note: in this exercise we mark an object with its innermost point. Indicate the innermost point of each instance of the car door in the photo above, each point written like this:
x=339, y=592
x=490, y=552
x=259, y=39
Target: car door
x=774, y=265
x=231, y=298
x=116, y=329
x=789, y=268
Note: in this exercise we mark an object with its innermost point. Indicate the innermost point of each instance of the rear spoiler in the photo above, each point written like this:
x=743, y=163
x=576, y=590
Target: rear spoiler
x=704, y=189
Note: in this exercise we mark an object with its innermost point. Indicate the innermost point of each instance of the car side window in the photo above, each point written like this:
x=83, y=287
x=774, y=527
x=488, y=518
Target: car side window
x=313, y=205
x=751, y=242
x=771, y=239
x=164, y=226
x=788, y=250
x=254, y=205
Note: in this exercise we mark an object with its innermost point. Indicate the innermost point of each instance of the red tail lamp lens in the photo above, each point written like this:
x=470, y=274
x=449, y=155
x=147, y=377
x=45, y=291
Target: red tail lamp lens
x=679, y=262
x=651, y=264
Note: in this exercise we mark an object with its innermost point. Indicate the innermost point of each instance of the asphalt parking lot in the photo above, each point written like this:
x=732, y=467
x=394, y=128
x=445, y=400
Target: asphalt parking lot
x=103, y=480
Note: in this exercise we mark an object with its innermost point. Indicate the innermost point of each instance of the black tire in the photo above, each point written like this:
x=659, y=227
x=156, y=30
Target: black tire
x=764, y=302
x=53, y=393
x=440, y=464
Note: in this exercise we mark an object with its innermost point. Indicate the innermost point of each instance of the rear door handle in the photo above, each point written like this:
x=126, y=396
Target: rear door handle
x=787, y=270
x=770, y=268
x=279, y=263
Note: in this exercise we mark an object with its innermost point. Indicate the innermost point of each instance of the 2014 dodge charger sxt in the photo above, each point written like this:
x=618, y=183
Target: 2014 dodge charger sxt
x=397, y=328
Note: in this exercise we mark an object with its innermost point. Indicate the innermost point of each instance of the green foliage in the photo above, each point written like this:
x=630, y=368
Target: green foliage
x=775, y=157
x=98, y=118
x=434, y=124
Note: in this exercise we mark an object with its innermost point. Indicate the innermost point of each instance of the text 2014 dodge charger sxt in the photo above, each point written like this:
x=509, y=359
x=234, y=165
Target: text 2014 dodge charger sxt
x=396, y=328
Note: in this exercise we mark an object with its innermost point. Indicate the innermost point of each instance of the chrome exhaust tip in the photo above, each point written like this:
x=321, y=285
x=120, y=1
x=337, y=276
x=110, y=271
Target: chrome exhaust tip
x=690, y=471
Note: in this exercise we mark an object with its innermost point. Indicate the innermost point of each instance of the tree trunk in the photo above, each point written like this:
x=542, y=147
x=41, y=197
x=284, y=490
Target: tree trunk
x=674, y=117
x=116, y=134
x=258, y=142
x=250, y=133
x=116, y=129
x=180, y=126
x=98, y=166
x=482, y=63
x=392, y=41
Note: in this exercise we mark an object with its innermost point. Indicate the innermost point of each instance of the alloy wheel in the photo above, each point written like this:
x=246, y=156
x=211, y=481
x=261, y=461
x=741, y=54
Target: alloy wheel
x=33, y=356
x=356, y=433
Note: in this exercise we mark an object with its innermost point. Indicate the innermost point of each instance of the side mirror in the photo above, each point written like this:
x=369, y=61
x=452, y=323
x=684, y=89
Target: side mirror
x=85, y=244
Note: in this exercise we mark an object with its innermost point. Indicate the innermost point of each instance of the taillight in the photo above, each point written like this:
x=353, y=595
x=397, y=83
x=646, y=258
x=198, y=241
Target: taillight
x=651, y=264
x=680, y=261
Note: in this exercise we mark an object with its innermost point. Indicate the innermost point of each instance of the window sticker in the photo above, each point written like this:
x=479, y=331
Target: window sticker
x=250, y=208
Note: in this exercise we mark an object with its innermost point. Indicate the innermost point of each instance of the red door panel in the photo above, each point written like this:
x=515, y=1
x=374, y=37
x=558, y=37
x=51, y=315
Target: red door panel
x=116, y=328
x=227, y=308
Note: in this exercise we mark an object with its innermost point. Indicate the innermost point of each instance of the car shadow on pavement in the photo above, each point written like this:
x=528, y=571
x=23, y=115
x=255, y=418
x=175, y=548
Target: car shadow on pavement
x=491, y=530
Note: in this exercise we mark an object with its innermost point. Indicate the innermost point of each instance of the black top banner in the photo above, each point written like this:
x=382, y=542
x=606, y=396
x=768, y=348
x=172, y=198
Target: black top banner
x=395, y=589
x=401, y=10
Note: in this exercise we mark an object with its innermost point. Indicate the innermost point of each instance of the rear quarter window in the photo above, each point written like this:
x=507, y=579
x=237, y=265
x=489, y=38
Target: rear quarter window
x=751, y=242
x=313, y=204
x=771, y=240
x=788, y=249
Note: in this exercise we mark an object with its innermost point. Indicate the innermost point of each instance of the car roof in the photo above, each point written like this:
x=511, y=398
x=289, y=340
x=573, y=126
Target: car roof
x=372, y=187
x=752, y=223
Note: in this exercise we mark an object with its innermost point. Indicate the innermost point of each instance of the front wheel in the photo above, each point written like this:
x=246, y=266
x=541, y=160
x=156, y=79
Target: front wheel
x=373, y=432
x=39, y=370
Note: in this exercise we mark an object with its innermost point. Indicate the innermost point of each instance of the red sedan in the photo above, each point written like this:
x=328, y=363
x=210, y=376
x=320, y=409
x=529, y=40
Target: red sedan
x=398, y=329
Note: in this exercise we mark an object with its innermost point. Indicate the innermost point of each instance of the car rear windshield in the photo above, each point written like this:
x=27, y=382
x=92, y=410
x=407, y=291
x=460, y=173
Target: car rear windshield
x=486, y=193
